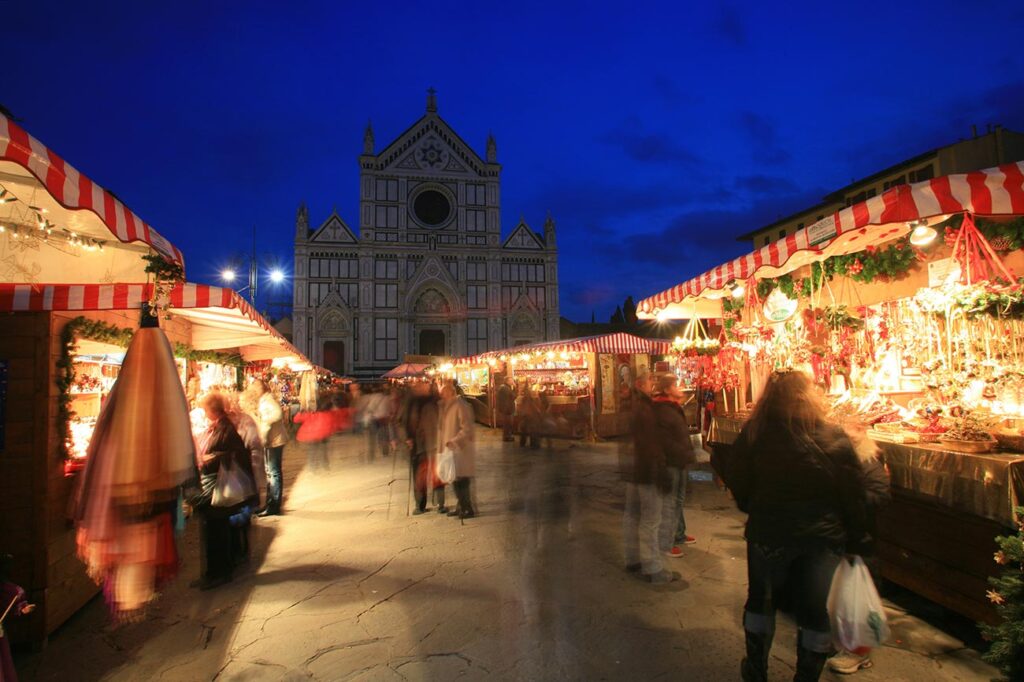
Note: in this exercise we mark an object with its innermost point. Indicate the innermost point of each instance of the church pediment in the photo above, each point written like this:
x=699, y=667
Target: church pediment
x=334, y=231
x=433, y=275
x=431, y=146
x=523, y=238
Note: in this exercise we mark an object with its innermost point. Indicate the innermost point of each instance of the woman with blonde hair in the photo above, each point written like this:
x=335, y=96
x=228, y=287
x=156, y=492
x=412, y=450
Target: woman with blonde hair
x=799, y=480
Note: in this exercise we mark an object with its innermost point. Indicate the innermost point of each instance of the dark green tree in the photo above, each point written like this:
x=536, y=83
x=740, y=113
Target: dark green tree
x=1007, y=593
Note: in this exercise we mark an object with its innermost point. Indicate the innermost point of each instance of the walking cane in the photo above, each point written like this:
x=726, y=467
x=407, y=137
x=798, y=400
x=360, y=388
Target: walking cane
x=391, y=485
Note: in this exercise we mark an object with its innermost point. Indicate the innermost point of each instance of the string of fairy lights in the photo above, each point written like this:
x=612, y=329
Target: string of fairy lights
x=25, y=222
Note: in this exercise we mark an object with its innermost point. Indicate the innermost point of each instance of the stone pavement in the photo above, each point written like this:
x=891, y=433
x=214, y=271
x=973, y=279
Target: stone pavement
x=345, y=586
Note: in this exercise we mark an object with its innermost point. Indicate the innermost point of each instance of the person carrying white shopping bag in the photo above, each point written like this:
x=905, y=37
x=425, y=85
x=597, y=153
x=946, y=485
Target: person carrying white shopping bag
x=456, y=448
x=855, y=609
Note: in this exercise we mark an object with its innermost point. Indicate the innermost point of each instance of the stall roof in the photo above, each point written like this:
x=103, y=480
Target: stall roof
x=81, y=213
x=618, y=342
x=405, y=371
x=221, y=319
x=995, y=191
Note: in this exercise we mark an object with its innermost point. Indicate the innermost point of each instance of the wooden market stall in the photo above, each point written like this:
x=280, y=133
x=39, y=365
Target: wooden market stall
x=61, y=342
x=905, y=309
x=586, y=383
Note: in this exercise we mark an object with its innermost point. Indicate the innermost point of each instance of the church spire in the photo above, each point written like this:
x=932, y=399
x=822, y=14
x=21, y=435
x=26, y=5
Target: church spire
x=549, y=231
x=431, y=100
x=492, y=149
x=302, y=221
x=368, y=138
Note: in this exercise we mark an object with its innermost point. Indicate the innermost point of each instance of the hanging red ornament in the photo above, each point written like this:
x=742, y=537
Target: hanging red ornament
x=856, y=267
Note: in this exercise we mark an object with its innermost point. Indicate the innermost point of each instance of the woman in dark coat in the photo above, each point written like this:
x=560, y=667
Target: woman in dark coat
x=220, y=445
x=801, y=483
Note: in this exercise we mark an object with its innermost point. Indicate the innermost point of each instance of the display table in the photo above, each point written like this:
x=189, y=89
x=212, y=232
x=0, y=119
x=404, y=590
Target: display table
x=937, y=537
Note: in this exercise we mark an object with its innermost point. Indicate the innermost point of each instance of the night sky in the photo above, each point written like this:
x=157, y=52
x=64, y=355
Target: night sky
x=654, y=134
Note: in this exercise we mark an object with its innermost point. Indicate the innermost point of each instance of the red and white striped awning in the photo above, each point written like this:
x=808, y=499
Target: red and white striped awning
x=44, y=183
x=991, y=192
x=618, y=342
x=221, y=319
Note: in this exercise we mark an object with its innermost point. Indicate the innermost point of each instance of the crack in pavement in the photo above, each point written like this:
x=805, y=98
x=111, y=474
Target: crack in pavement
x=385, y=564
x=393, y=595
x=425, y=658
x=340, y=647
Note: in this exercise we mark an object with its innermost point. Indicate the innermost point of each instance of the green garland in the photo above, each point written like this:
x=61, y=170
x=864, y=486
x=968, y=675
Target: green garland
x=95, y=330
x=1007, y=593
x=891, y=262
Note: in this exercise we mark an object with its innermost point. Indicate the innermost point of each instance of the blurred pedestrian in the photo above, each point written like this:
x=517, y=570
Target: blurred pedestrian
x=248, y=430
x=650, y=490
x=220, y=446
x=674, y=434
x=456, y=433
x=274, y=434
x=316, y=428
x=799, y=480
x=421, y=427
x=505, y=407
x=528, y=416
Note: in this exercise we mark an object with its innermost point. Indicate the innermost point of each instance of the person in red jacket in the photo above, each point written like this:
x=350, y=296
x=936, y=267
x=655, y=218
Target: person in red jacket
x=316, y=428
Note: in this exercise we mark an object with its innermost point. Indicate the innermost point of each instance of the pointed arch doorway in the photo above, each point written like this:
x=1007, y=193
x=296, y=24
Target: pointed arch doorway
x=432, y=342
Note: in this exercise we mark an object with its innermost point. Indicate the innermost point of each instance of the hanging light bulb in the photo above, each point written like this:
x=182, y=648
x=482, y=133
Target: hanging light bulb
x=923, y=234
x=736, y=289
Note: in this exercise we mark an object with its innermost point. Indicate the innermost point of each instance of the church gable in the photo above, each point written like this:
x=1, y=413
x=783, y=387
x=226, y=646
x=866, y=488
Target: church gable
x=334, y=231
x=430, y=145
x=523, y=238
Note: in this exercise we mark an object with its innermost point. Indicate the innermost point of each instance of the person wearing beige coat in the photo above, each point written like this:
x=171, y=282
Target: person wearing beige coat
x=455, y=432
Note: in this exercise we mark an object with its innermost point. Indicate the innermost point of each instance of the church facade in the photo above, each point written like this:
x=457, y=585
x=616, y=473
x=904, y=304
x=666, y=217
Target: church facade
x=427, y=272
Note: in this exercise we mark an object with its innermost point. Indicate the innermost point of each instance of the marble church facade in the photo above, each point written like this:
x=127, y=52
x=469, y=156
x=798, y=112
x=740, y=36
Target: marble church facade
x=428, y=271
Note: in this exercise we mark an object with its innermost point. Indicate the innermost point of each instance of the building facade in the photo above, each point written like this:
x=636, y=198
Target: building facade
x=427, y=272
x=996, y=147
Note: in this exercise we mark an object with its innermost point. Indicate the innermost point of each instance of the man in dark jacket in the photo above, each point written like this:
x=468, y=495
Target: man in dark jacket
x=505, y=406
x=646, y=493
x=674, y=434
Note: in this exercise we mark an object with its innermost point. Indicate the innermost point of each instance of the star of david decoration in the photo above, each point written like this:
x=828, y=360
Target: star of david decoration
x=431, y=155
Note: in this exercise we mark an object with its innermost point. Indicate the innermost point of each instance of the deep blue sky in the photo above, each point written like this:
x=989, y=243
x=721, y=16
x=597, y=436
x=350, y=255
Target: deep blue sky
x=654, y=133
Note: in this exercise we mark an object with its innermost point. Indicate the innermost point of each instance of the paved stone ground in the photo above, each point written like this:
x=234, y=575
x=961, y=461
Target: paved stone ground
x=345, y=586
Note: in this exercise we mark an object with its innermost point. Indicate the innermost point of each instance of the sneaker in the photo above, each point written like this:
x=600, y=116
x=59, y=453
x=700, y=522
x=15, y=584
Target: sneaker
x=687, y=540
x=442, y=510
x=418, y=511
x=675, y=553
x=662, y=577
x=847, y=663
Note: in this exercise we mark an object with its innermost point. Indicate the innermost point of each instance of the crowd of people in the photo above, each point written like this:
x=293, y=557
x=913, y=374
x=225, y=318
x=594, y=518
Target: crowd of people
x=810, y=489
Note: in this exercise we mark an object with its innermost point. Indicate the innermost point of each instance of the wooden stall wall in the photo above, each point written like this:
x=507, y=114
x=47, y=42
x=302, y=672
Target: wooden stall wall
x=34, y=492
x=23, y=490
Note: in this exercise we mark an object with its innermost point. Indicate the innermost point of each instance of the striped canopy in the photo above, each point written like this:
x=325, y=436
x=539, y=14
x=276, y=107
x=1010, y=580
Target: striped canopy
x=47, y=186
x=991, y=192
x=618, y=342
x=221, y=319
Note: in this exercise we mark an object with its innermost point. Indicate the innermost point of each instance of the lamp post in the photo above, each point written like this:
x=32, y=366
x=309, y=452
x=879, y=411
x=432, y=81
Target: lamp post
x=228, y=274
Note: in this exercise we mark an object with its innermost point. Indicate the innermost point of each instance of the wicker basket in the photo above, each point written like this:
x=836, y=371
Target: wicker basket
x=968, y=446
x=1009, y=441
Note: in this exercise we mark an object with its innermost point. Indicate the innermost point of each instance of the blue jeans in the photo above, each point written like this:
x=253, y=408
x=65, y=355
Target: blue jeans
x=640, y=526
x=805, y=575
x=274, y=484
x=672, y=511
x=681, y=514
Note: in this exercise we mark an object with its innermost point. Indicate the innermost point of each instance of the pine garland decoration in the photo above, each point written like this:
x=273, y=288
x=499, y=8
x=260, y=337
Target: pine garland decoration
x=1007, y=649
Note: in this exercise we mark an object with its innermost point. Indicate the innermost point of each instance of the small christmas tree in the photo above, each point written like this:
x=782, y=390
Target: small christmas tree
x=1007, y=593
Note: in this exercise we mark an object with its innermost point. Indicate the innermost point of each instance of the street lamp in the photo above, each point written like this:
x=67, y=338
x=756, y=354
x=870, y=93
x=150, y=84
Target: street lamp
x=229, y=274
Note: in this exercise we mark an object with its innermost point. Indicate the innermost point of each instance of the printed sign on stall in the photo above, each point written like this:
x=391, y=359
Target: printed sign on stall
x=607, y=366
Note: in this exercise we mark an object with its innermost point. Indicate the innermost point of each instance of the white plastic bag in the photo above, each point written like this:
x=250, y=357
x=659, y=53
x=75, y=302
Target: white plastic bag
x=446, y=466
x=855, y=609
x=233, y=486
